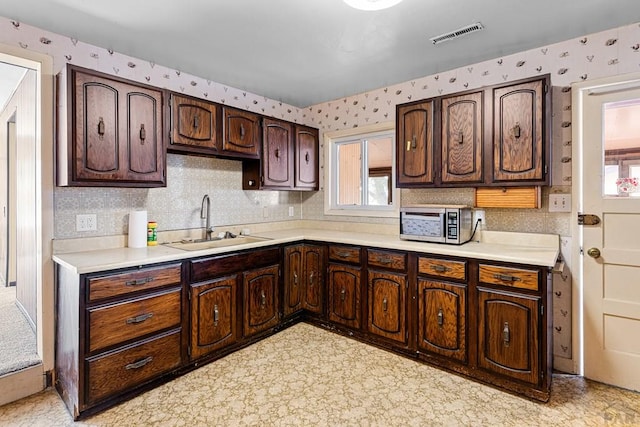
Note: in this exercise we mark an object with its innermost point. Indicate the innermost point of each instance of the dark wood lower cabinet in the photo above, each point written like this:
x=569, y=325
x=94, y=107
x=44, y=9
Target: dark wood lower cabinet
x=122, y=332
x=260, y=299
x=388, y=305
x=442, y=325
x=344, y=295
x=213, y=315
x=508, y=334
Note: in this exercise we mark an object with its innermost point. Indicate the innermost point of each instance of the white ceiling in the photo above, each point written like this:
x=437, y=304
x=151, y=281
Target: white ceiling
x=303, y=52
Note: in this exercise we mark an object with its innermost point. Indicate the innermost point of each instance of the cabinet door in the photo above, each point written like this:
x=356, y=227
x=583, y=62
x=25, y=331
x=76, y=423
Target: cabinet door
x=213, y=315
x=277, y=154
x=241, y=131
x=388, y=305
x=193, y=123
x=117, y=132
x=441, y=319
x=462, y=138
x=293, y=279
x=314, y=277
x=415, y=147
x=344, y=295
x=260, y=299
x=518, y=135
x=306, y=158
x=508, y=334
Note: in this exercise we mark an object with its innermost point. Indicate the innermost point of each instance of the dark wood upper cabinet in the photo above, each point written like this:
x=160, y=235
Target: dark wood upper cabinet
x=110, y=131
x=519, y=135
x=462, y=138
x=495, y=136
x=306, y=158
x=277, y=154
x=415, y=145
x=195, y=125
x=241, y=133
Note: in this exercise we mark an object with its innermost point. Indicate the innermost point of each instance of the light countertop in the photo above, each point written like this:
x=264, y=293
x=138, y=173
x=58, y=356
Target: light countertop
x=521, y=248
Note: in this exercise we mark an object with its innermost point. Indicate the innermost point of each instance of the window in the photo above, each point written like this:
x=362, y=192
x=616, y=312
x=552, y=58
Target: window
x=359, y=172
x=622, y=149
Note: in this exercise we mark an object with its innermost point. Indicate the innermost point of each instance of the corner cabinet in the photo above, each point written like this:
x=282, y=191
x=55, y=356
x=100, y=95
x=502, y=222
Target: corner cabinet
x=303, y=279
x=495, y=136
x=110, y=131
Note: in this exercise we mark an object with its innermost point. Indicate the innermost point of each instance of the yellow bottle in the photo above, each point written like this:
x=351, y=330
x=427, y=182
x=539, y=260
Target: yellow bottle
x=152, y=233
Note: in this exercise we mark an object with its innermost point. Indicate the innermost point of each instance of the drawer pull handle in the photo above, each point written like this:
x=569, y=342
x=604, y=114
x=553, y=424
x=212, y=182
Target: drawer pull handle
x=440, y=317
x=311, y=278
x=195, y=122
x=343, y=294
x=140, y=363
x=216, y=315
x=139, y=281
x=385, y=260
x=295, y=278
x=139, y=319
x=306, y=157
x=440, y=268
x=506, y=277
x=101, y=127
x=241, y=131
x=277, y=153
x=384, y=304
x=506, y=334
x=342, y=254
x=263, y=299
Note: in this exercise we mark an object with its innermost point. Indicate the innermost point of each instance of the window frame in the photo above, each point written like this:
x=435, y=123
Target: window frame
x=331, y=140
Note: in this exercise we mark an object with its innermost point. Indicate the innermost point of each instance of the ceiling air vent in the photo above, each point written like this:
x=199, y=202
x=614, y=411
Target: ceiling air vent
x=457, y=33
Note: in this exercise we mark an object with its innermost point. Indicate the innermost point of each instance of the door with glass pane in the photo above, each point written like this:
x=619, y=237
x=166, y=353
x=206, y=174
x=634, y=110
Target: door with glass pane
x=610, y=190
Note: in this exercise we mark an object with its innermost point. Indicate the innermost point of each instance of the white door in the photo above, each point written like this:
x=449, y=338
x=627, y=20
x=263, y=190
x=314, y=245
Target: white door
x=610, y=189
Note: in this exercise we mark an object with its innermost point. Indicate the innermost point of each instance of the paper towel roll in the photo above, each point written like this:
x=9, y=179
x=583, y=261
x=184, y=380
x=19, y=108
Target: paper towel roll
x=138, y=229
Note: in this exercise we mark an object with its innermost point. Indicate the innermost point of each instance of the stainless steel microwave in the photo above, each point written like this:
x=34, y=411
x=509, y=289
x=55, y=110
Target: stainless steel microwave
x=436, y=223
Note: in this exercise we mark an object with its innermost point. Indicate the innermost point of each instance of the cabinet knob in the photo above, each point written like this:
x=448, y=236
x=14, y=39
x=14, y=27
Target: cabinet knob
x=241, y=131
x=216, y=315
x=295, y=278
x=277, y=153
x=311, y=278
x=516, y=131
x=506, y=334
x=384, y=304
x=440, y=317
x=343, y=294
x=306, y=157
x=460, y=137
x=196, y=122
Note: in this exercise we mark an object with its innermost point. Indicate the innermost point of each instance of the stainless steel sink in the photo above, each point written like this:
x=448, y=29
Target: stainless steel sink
x=197, y=245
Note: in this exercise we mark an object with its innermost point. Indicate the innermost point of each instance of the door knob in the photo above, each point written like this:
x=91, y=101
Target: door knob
x=594, y=252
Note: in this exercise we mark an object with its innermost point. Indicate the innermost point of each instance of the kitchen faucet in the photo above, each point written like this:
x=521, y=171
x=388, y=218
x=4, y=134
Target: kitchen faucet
x=208, y=228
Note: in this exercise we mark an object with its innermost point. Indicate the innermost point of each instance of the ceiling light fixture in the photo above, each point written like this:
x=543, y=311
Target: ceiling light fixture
x=372, y=4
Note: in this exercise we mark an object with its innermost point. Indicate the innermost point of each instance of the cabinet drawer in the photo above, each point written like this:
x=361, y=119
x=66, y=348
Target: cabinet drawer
x=505, y=276
x=127, y=368
x=118, y=323
x=443, y=268
x=132, y=281
x=387, y=260
x=206, y=268
x=344, y=254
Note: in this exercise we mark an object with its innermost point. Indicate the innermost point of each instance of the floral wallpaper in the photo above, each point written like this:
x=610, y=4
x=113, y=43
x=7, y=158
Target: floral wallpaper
x=611, y=52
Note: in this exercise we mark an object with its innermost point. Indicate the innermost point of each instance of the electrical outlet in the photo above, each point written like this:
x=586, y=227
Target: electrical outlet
x=265, y=212
x=291, y=211
x=86, y=222
x=559, y=202
x=478, y=214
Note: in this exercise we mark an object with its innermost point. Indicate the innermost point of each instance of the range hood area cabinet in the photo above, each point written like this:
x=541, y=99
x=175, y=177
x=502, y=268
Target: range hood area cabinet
x=109, y=131
x=289, y=158
x=493, y=136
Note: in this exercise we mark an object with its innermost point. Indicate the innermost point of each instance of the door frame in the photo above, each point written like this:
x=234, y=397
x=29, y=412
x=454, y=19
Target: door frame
x=34, y=379
x=580, y=91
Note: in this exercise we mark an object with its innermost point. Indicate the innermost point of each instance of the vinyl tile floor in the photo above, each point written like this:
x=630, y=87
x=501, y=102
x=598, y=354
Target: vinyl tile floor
x=306, y=376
